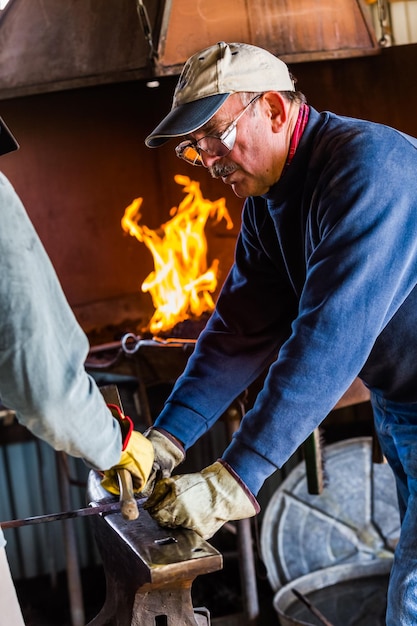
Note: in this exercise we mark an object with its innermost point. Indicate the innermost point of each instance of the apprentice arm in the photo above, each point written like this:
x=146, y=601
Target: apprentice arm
x=43, y=349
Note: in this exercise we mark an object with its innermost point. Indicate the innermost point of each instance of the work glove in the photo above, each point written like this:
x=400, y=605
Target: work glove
x=137, y=455
x=202, y=502
x=168, y=453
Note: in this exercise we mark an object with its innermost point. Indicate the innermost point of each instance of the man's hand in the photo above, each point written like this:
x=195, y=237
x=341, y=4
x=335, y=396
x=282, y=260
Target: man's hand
x=202, y=502
x=137, y=455
x=168, y=453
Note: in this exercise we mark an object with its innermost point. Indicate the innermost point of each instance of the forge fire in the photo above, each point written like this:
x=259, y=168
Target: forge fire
x=181, y=283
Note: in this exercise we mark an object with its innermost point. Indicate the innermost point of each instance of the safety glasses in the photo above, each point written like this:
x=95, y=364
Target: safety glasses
x=220, y=146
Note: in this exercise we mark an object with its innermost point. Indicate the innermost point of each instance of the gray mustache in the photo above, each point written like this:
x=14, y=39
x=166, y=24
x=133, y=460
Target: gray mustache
x=218, y=171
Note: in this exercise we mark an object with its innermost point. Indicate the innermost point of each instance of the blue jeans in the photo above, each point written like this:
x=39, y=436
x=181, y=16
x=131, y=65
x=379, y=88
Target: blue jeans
x=396, y=426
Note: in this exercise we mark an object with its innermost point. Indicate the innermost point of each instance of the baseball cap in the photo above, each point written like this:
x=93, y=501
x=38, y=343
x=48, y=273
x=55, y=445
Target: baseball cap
x=209, y=77
x=7, y=142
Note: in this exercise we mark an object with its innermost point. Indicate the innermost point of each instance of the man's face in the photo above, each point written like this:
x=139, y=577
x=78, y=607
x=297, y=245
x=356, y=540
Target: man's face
x=255, y=162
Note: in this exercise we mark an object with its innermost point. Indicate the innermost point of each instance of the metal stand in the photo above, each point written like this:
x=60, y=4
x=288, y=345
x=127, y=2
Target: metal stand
x=232, y=418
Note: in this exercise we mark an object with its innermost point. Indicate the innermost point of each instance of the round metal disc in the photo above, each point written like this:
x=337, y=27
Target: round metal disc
x=354, y=519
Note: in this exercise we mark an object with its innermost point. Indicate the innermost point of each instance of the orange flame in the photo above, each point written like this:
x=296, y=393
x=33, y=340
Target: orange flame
x=180, y=284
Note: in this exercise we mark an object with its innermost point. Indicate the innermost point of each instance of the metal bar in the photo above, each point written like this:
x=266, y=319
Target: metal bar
x=12, y=499
x=45, y=498
x=314, y=463
x=108, y=507
x=248, y=571
x=314, y=610
x=73, y=567
x=233, y=417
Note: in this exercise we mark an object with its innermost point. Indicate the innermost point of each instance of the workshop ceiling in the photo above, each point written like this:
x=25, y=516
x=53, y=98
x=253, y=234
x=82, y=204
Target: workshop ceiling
x=49, y=45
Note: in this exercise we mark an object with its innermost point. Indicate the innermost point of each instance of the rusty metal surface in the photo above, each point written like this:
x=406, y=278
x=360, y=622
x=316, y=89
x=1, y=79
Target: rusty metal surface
x=295, y=30
x=356, y=394
x=49, y=45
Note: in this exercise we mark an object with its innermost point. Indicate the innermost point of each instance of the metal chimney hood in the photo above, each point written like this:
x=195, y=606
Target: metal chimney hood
x=50, y=45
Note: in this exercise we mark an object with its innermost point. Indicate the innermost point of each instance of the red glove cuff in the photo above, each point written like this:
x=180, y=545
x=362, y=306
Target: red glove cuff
x=238, y=479
x=126, y=424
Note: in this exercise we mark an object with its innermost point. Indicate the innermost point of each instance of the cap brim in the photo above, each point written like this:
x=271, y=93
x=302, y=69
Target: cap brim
x=7, y=142
x=185, y=119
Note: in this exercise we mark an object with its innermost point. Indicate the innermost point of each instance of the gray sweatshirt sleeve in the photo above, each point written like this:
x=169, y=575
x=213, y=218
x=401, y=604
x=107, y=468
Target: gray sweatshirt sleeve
x=43, y=349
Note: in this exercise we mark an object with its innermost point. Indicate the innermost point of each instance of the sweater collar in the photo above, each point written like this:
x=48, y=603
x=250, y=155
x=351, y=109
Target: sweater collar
x=297, y=154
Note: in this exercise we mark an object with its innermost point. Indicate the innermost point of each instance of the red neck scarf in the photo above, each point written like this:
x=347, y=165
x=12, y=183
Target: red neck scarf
x=298, y=132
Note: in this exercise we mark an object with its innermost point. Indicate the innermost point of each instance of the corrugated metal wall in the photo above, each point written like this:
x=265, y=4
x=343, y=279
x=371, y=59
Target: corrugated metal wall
x=404, y=22
x=401, y=20
x=28, y=487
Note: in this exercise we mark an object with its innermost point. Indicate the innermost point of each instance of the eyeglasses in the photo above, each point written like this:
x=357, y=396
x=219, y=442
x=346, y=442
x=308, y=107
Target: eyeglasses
x=220, y=146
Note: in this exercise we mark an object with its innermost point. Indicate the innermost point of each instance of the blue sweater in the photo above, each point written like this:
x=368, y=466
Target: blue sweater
x=322, y=290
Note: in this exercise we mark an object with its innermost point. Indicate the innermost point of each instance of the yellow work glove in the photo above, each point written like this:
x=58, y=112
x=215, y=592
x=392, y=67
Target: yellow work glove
x=202, y=502
x=168, y=453
x=137, y=456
